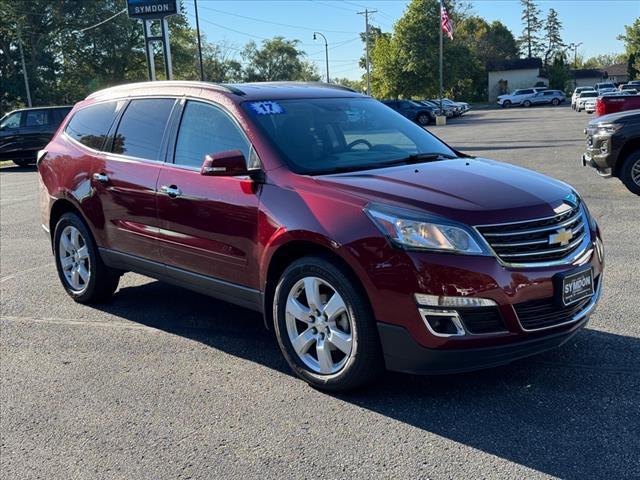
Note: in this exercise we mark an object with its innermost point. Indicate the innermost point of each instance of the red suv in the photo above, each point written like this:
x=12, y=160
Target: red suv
x=364, y=240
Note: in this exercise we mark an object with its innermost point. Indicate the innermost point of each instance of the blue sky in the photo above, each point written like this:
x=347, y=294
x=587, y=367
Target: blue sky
x=595, y=23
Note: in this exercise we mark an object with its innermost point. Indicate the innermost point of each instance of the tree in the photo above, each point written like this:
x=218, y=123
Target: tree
x=356, y=85
x=530, y=40
x=559, y=74
x=604, y=60
x=278, y=59
x=631, y=39
x=553, y=40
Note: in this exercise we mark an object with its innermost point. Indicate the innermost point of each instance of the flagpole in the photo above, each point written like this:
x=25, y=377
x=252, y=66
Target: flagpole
x=441, y=110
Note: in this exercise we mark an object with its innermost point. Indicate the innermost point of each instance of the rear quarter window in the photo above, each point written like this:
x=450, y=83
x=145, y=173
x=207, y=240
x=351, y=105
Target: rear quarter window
x=90, y=125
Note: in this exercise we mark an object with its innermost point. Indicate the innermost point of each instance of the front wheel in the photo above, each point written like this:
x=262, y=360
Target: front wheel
x=82, y=272
x=555, y=102
x=423, y=119
x=324, y=325
x=506, y=104
x=630, y=173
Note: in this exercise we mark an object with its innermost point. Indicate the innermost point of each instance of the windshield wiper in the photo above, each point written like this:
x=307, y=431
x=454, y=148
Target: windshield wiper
x=418, y=158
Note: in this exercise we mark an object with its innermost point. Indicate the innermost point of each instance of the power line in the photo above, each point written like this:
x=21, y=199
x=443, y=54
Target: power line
x=103, y=21
x=298, y=27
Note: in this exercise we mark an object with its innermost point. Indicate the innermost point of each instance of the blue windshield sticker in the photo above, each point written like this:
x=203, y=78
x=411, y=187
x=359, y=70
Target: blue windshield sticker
x=267, y=108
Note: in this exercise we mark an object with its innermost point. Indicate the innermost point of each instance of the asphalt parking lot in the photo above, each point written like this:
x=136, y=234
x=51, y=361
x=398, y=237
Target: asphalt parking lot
x=161, y=383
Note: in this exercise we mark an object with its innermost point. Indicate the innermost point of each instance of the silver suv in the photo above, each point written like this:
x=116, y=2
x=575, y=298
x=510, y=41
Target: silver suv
x=519, y=97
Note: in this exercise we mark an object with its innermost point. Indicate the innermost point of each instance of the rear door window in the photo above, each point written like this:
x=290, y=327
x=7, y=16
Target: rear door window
x=205, y=130
x=37, y=118
x=142, y=127
x=91, y=124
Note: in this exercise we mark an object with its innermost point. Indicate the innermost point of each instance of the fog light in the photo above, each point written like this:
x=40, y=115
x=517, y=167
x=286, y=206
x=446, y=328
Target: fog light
x=442, y=323
x=453, y=302
x=604, y=148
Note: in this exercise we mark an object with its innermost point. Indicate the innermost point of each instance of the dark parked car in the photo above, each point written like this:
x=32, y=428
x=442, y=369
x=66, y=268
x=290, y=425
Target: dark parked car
x=364, y=240
x=24, y=132
x=414, y=111
x=613, y=147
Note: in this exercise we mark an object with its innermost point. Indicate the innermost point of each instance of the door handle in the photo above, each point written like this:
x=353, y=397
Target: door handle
x=100, y=177
x=171, y=190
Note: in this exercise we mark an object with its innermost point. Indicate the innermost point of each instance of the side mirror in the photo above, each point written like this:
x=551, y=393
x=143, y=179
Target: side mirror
x=225, y=164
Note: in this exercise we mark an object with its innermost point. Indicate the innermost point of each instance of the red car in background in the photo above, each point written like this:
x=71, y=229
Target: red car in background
x=616, y=103
x=364, y=240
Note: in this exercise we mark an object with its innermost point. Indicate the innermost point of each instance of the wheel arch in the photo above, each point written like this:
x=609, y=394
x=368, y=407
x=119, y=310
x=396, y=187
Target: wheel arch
x=628, y=149
x=292, y=250
x=58, y=209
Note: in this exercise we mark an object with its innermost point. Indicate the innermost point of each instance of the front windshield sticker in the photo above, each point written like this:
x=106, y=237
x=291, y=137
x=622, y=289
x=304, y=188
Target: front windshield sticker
x=267, y=108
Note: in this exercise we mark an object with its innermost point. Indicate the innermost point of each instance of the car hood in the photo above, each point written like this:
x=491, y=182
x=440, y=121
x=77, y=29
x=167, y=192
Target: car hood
x=474, y=191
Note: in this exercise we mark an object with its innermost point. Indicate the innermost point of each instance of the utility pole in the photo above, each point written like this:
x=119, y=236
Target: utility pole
x=24, y=69
x=366, y=35
x=440, y=28
x=195, y=6
x=326, y=52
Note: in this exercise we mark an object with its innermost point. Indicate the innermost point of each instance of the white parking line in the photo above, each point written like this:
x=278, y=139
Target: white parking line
x=65, y=321
x=13, y=275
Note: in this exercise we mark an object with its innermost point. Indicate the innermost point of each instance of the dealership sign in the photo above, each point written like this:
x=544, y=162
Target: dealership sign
x=150, y=9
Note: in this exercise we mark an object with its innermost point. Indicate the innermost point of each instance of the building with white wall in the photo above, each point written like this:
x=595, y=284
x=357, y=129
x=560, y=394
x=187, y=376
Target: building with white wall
x=510, y=75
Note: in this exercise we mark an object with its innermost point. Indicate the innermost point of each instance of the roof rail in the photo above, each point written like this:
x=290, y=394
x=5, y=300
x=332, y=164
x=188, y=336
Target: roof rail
x=170, y=83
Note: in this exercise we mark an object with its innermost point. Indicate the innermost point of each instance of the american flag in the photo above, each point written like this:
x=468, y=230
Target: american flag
x=447, y=26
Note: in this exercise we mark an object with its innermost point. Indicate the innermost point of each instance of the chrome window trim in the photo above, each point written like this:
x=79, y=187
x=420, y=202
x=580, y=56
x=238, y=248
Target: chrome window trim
x=578, y=316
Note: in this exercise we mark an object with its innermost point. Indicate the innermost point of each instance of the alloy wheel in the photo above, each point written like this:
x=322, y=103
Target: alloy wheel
x=73, y=254
x=635, y=172
x=319, y=325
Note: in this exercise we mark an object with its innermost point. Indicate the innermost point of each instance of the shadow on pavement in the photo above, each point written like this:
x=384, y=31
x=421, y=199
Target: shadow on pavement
x=572, y=413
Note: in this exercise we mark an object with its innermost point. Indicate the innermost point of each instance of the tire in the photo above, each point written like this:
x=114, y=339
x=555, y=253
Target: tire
x=526, y=103
x=506, y=103
x=359, y=360
x=555, y=102
x=630, y=172
x=22, y=162
x=78, y=251
x=423, y=119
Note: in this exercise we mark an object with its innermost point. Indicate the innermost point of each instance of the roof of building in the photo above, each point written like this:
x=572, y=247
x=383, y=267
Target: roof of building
x=515, y=64
x=587, y=73
x=617, y=69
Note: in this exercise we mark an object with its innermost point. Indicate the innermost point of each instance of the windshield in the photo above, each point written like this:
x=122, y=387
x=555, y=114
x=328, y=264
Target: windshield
x=326, y=135
x=588, y=94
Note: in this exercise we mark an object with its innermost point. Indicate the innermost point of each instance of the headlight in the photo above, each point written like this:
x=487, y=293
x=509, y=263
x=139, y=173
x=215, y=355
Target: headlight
x=413, y=230
x=609, y=127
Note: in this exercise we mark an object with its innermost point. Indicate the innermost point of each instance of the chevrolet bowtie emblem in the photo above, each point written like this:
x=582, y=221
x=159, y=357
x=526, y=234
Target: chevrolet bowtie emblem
x=561, y=237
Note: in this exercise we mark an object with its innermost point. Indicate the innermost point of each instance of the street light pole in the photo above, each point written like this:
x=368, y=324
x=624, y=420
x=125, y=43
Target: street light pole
x=195, y=6
x=326, y=52
x=366, y=37
x=575, y=62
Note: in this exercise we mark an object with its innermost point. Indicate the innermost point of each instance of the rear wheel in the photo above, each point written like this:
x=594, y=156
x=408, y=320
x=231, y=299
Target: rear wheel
x=526, y=103
x=324, y=325
x=82, y=272
x=630, y=173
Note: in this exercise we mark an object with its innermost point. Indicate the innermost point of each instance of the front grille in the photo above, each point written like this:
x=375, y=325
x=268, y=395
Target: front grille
x=545, y=313
x=529, y=241
x=482, y=320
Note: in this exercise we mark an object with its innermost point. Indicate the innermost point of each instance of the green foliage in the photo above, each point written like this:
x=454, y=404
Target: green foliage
x=356, y=85
x=631, y=39
x=278, y=59
x=406, y=62
x=604, y=60
x=559, y=74
x=553, y=39
x=65, y=64
x=530, y=43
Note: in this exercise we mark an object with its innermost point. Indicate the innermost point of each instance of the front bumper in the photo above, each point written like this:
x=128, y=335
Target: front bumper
x=403, y=354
